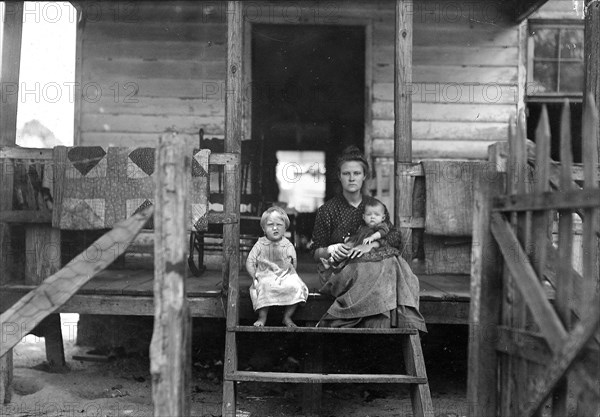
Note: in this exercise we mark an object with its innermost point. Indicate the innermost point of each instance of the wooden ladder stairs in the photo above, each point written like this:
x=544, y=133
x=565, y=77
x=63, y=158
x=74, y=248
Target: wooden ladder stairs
x=415, y=377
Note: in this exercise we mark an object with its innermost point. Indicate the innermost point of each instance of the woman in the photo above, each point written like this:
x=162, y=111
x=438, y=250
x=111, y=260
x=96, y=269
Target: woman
x=376, y=281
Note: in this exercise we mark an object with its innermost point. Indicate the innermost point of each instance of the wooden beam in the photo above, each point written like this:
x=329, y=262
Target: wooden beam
x=403, y=120
x=518, y=263
x=231, y=232
x=7, y=267
x=525, y=8
x=11, y=63
x=485, y=305
x=43, y=259
x=57, y=289
x=522, y=343
x=563, y=359
x=170, y=349
x=531, y=290
x=562, y=200
x=25, y=216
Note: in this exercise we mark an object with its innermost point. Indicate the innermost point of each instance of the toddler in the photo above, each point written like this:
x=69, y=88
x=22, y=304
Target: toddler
x=271, y=263
x=375, y=228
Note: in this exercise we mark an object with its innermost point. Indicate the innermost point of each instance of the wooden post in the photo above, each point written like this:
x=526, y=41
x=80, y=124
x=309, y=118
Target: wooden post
x=170, y=350
x=591, y=59
x=403, y=121
x=486, y=300
x=9, y=82
x=6, y=270
x=11, y=62
x=42, y=259
x=231, y=232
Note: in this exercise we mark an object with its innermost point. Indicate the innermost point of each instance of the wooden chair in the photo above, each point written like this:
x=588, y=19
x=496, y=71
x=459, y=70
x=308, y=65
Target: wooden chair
x=251, y=203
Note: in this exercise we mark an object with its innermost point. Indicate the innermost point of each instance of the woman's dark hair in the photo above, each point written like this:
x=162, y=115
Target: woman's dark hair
x=352, y=153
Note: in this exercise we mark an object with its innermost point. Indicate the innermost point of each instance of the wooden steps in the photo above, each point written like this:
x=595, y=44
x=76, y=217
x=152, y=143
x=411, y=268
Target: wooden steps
x=323, y=330
x=314, y=378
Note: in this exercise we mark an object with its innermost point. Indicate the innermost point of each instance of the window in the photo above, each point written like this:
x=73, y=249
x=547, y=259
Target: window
x=555, y=72
x=555, y=59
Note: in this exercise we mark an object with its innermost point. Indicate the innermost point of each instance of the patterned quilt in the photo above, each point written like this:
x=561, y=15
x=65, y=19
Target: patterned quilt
x=103, y=186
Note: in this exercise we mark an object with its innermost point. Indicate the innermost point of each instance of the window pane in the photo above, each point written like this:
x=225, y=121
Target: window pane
x=571, y=45
x=571, y=77
x=546, y=41
x=544, y=77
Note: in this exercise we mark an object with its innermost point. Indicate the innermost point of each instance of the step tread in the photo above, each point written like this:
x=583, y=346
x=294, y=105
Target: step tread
x=296, y=377
x=326, y=330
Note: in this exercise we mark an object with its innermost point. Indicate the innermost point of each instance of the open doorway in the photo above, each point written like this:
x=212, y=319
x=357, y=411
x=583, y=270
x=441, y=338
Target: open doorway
x=308, y=99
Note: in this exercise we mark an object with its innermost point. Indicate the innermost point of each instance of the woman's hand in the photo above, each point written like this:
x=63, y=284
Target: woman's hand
x=339, y=251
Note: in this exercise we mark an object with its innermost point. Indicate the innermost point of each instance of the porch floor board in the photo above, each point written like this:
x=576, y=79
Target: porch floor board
x=444, y=298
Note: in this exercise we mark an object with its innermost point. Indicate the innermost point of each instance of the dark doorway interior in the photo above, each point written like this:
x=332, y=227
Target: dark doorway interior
x=308, y=94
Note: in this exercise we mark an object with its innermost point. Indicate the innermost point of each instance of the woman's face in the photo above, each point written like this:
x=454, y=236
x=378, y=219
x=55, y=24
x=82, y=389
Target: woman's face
x=352, y=176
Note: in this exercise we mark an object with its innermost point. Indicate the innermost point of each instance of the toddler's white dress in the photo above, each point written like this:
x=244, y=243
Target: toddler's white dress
x=276, y=283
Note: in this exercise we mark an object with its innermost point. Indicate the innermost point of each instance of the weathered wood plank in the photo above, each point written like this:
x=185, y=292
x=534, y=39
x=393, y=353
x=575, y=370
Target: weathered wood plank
x=156, y=106
x=564, y=286
x=563, y=359
x=562, y=200
x=57, y=289
x=401, y=128
x=451, y=130
x=414, y=363
x=469, y=92
x=25, y=216
x=97, y=68
x=149, y=50
x=528, y=284
x=231, y=232
x=310, y=378
x=170, y=349
x=456, y=54
x=457, y=149
x=485, y=305
x=524, y=344
x=163, y=31
x=150, y=123
x=12, y=33
x=452, y=74
x=447, y=112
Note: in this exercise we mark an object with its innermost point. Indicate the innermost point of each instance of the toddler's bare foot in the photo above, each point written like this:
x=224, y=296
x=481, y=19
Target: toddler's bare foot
x=288, y=322
x=259, y=323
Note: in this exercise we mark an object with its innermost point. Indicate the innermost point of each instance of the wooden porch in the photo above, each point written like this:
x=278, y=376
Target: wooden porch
x=444, y=298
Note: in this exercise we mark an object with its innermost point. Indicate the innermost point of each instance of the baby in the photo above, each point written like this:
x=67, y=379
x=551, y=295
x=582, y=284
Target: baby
x=374, y=229
x=271, y=263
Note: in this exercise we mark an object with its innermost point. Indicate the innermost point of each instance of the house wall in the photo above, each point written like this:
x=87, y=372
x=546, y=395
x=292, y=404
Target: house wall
x=560, y=9
x=147, y=67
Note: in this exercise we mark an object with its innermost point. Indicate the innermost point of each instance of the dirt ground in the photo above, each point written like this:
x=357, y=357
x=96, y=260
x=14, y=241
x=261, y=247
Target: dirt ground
x=122, y=385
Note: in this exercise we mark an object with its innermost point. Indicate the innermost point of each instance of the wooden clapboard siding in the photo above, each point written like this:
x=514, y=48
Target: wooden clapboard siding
x=444, y=92
x=452, y=149
x=464, y=112
x=186, y=69
x=465, y=74
x=160, y=65
x=151, y=66
x=446, y=130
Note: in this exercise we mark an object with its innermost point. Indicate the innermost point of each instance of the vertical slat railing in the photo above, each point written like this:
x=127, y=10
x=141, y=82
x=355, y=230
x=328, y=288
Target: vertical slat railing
x=540, y=222
x=564, y=276
x=508, y=290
